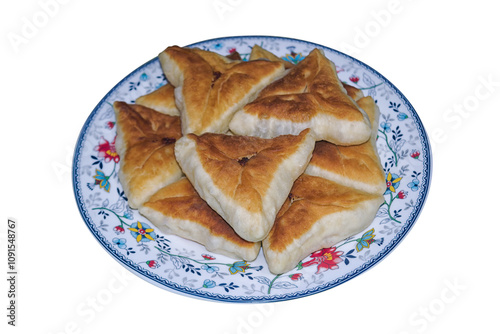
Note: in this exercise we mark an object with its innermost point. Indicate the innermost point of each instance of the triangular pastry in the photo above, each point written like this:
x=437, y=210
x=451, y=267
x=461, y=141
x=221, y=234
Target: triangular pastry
x=354, y=93
x=318, y=213
x=178, y=209
x=260, y=53
x=244, y=179
x=145, y=142
x=209, y=87
x=310, y=95
x=161, y=100
x=356, y=166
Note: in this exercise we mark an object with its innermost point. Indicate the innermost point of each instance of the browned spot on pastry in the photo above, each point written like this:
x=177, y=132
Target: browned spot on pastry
x=168, y=141
x=216, y=77
x=293, y=198
x=147, y=156
x=213, y=86
x=259, y=157
x=234, y=56
x=243, y=161
x=309, y=88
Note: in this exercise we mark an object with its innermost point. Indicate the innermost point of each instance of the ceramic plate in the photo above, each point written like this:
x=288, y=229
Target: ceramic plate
x=186, y=267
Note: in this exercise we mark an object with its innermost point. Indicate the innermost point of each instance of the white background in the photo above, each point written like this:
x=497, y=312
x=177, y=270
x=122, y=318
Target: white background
x=440, y=279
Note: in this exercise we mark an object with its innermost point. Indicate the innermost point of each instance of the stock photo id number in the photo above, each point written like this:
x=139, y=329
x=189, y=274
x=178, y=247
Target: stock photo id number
x=11, y=272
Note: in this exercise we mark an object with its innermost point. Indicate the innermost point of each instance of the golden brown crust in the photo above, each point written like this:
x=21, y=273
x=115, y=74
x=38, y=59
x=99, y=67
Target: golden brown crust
x=243, y=166
x=360, y=163
x=161, y=100
x=353, y=92
x=142, y=124
x=260, y=53
x=180, y=201
x=196, y=72
x=314, y=76
x=213, y=85
x=216, y=61
x=310, y=199
x=147, y=141
x=297, y=108
x=354, y=162
x=234, y=84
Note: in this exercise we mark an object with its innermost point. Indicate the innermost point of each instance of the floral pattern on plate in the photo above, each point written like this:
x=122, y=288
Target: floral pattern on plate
x=186, y=267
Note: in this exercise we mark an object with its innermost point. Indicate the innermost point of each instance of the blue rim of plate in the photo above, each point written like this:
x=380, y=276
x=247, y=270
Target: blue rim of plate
x=183, y=290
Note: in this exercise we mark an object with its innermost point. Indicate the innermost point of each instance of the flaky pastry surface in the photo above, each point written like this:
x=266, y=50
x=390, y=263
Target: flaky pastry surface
x=317, y=214
x=310, y=95
x=178, y=209
x=244, y=179
x=145, y=142
x=356, y=166
x=210, y=87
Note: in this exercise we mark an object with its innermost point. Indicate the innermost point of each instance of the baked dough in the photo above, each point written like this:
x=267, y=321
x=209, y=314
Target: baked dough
x=178, y=209
x=354, y=93
x=355, y=166
x=145, y=142
x=161, y=100
x=318, y=213
x=209, y=87
x=260, y=53
x=244, y=179
x=310, y=95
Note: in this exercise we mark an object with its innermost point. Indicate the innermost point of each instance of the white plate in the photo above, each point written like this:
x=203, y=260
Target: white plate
x=186, y=267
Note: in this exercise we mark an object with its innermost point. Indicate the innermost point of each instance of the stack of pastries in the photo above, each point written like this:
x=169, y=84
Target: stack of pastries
x=241, y=156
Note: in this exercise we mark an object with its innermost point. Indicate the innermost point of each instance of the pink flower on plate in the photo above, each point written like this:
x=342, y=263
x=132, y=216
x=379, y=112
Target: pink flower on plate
x=354, y=78
x=107, y=151
x=152, y=264
x=296, y=277
x=326, y=259
x=119, y=229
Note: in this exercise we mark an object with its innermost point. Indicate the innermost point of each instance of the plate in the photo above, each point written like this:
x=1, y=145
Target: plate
x=185, y=267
